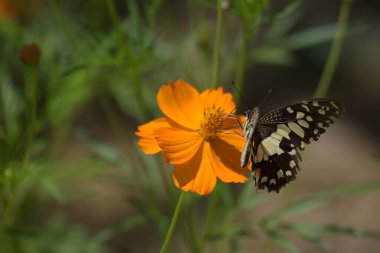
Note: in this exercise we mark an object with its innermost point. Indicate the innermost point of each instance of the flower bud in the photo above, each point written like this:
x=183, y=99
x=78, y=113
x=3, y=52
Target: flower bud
x=30, y=55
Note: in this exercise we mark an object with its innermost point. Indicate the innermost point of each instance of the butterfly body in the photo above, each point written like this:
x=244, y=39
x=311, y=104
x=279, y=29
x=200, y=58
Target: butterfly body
x=274, y=140
x=249, y=130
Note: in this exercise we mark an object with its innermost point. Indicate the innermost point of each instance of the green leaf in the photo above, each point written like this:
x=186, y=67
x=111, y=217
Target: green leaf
x=57, y=235
x=103, y=150
x=151, y=212
x=273, y=55
x=285, y=12
x=12, y=105
x=282, y=22
x=67, y=95
x=249, y=11
x=118, y=228
x=53, y=188
x=283, y=242
x=248, y=198
x=292, y=209
x=318, y=229
x=135, y=15
x=314, y=36
x=272, y=220
x=229, y=231
x=313, y=232
x=309, y=234
x=152, y=8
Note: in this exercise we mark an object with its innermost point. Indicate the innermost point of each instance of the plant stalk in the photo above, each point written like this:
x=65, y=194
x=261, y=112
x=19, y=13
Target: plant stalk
x=31, y=84
x=217, y=46
x=173, y=223
x=333, y=58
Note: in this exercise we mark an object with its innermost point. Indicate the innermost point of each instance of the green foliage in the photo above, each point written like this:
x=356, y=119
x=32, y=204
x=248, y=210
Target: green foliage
x=250, y=11
x=106, y=60
x=55, y=236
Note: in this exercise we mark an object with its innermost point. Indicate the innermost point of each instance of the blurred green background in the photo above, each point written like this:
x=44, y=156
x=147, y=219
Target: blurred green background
x=72, y=178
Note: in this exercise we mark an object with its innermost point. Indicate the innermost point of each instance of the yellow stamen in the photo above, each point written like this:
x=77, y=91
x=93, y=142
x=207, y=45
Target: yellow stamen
x=211, y=122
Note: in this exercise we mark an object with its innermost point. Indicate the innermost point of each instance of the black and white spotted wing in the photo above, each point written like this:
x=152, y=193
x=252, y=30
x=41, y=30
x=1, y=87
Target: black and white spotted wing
x=280, y=134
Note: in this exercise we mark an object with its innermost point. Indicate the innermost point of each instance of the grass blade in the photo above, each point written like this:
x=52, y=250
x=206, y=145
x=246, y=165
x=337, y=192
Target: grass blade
x=283, y=242
x=292, y=209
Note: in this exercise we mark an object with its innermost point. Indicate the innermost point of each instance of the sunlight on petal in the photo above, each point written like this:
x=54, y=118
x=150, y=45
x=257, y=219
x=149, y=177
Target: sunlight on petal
x=182, y=103
x=217, y=98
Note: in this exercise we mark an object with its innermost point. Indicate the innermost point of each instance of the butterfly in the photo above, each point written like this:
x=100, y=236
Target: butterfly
x=274, y=140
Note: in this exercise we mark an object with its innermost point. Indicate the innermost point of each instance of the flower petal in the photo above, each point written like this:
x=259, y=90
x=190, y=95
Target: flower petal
x=217, y=98
x=181, y=102
x=233, y=139
x=234, y=123
x=178, y=144
x=225, y=160
x=148, y=142
x=197, y=175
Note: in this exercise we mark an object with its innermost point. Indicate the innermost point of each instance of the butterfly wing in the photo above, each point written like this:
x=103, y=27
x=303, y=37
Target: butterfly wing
x=281, y=134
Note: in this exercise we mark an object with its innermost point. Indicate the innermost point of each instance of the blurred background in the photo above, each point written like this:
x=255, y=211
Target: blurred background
x=72, y=178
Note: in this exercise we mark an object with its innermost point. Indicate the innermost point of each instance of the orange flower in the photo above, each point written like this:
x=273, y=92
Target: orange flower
x=193, y=136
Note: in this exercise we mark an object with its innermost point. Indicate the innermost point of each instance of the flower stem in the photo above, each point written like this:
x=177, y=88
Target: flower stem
x=31, y=84
x=190, y=232
x=242, y=61
x=31, y=81
x=217, y=46
x=333, y=58
x=172, y=223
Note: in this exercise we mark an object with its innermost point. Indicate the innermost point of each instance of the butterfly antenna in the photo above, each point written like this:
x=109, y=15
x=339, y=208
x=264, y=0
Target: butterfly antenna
x=267, y=96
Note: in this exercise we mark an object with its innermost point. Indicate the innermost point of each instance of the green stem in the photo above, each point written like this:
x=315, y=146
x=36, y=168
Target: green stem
x=31, y=84
x=333, y=58
x=172, y=223
x=242, y=61
x=217, y=46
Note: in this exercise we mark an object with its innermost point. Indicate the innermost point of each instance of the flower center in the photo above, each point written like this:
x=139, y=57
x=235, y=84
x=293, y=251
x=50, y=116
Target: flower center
x=211, y=122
